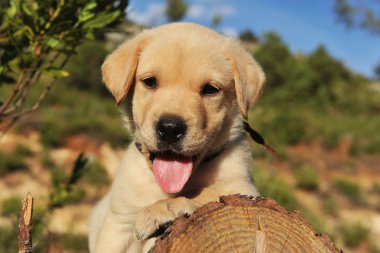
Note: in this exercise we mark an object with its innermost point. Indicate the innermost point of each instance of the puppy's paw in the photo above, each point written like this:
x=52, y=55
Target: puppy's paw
x=161, y=212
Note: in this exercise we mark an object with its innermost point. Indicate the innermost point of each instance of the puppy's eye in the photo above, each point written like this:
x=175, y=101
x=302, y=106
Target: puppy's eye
x=209, y=89
x=150, y=82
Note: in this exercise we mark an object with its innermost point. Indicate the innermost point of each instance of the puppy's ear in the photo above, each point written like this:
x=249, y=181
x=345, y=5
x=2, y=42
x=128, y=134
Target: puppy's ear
x=119, y=68
x=249, y=78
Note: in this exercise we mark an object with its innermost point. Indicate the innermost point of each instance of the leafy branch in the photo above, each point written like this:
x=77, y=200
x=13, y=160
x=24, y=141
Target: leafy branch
x=37, y=39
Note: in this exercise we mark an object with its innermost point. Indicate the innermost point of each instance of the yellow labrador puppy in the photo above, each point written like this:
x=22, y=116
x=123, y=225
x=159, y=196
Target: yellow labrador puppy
x=186, y=91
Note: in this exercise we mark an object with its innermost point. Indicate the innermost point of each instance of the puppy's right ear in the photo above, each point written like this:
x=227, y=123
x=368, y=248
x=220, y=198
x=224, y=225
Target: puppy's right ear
x=119, y=68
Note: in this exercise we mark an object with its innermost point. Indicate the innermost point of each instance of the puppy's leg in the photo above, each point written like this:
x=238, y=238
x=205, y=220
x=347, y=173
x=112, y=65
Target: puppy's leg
x=151, y=217
x=116, y=237
x=96, y=221
x=148, y=244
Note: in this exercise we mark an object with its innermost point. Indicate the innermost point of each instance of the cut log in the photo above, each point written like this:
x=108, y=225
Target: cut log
x=242, y=224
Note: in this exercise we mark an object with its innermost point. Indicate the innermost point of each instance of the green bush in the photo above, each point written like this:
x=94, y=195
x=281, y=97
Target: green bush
x=330, y=205
x=63, y=193
x=307, y=177
x=10, y=206
x=11, y=162
x=272, y=187
x=350, y=189
x=314, y=221
x=354, y=234
x=73, y=242
x=22, y=151
x=96, y=174
x=96, y=117
x=8, y=239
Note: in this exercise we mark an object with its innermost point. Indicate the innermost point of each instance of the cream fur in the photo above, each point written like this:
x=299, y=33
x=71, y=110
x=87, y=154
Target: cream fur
x=183, y=57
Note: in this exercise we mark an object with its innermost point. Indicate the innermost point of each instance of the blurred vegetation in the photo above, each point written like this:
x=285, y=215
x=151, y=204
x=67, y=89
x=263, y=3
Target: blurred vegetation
x=354, y=234
x=73, y=242
x=96, y=174
x=175, y=9
x=248, y=36
x=350, y=189
x=15, y=160
x=273, y=187
x=330, y=205
x=66, y=191
x=360, y=13
x=314, y=97
x=307, y=177
x=10, y=206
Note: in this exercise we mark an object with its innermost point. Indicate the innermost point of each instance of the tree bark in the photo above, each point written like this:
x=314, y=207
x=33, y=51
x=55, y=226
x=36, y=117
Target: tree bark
x=242, y=224
x=25, y=225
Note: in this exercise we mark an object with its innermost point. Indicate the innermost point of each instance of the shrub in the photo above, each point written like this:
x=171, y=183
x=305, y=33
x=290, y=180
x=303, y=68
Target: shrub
x=350, y=189
x=96, y=174
x=73, y=242
x=354, y=234
x=330, y=205
x=270, y=186
x=97, y=117
x=10, y=163
x=307, y=178
x=8, y=239
x=22, y=151
x=10, y=206
x=316, y=223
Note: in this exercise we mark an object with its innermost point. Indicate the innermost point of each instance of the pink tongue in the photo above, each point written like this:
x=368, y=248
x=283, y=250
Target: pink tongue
x=172, y=175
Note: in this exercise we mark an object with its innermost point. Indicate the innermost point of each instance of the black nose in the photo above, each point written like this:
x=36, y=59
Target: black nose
x=171, y=129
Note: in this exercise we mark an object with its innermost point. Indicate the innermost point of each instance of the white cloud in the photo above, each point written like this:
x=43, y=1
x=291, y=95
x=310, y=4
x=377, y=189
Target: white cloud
x=196, y=11
x=229, y=31
x=154, y=13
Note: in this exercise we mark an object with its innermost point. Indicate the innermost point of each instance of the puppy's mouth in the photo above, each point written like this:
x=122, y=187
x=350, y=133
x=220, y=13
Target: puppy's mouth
x=172, y=171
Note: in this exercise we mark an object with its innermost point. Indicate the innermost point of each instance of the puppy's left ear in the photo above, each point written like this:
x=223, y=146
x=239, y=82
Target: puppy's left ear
x=119, y=69
x=249, y=78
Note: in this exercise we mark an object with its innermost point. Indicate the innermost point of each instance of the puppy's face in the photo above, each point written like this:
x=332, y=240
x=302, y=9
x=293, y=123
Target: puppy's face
x=183, y=97
x=187, y=90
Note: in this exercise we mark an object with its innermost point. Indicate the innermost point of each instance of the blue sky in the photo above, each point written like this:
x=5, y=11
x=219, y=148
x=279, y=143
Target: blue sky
x=302, y=24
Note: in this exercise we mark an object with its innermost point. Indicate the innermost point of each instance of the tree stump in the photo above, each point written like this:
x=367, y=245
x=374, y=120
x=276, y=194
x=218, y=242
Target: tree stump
x=242, y=224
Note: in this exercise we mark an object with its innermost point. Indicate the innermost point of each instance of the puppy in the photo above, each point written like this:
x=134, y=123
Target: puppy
x=186, y=91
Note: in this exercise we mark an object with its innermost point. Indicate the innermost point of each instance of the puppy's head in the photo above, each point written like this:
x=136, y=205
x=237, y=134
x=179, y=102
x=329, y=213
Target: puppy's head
x=187, y=90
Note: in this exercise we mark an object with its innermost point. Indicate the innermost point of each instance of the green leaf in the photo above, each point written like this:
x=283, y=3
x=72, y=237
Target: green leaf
x=86, y=13
x=102, y=20
x=12, y=10
x=89, y=36
x=26, y=9
x=52, y=42
x=83, y=17
x=55, y=72
x=90, y=6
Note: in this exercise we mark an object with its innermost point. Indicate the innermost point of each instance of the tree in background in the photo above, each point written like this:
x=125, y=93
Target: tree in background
x=360, y=14
x=248, y=36
x=377, y=71
x=175, y=9
x=216, y=21
x=37, y=38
